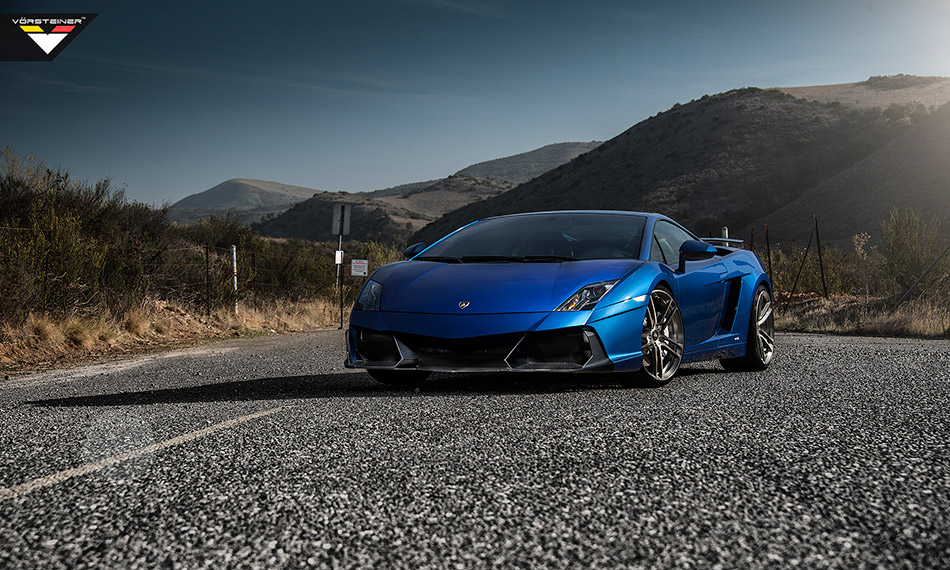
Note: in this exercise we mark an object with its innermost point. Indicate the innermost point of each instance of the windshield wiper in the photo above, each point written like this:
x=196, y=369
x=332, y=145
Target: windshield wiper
x=444, y=259
x=497, y=258
x=477, y=258
x=516, y=258
x=549, y=258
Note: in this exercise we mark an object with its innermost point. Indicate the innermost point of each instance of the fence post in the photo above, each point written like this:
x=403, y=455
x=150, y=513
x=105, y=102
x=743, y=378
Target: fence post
x=251, y=282
x=207, y=281
x=821, y=263
x=234, y=273
x=804, y=257
x=768, y=248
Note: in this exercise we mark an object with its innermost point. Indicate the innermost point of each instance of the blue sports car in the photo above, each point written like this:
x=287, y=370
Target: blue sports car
x=565, y=291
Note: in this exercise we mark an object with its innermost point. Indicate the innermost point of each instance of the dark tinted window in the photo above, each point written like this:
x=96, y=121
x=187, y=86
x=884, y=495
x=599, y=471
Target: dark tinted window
x=668, y=238
x=573, y=235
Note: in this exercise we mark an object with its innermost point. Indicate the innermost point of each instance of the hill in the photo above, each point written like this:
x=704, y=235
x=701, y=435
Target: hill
x=401, y=189
x=390, y=218
x=912, y=170
x=727, y=159
x=448, y=194
x=255, y=199
x=372, y=220
x=395, y=213
x=880, y=91
x=527, y=165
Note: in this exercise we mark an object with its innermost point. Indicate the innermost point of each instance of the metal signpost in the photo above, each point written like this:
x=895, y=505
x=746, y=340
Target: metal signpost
x=340, y=227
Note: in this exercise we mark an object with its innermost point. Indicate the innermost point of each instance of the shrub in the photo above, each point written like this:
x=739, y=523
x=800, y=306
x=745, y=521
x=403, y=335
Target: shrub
x=908, y=246
x=75, y=249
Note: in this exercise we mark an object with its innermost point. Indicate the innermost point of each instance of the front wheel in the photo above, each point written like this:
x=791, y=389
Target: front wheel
x=399, y=377
x=662, y=339
x=760, y=344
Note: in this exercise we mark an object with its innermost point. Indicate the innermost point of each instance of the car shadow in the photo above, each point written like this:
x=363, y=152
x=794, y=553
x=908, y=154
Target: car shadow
x=355, y=385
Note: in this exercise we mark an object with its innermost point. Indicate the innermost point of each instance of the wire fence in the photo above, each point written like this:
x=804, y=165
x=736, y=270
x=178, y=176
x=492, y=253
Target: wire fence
x=894, y=272
x=54, y=271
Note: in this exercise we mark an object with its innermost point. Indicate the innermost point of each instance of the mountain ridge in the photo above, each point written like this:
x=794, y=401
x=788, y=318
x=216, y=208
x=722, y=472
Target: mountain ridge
x=259, y=202
x=725, y=159
x=394, y=213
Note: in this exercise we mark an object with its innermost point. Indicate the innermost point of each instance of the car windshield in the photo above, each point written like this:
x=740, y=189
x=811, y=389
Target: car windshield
x=556, y=236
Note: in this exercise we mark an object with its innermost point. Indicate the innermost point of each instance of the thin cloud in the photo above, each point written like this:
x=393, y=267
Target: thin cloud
x=472, y=8
x=333, y=84
x=62, y=85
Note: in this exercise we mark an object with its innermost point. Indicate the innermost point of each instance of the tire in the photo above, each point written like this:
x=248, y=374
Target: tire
x=760, y=341
x=405, y=378
x=662, y=340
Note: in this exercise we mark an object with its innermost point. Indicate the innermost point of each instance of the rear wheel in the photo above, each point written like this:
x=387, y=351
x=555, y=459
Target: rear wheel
x=760, y=344
x=399, y=377
x=662, y=339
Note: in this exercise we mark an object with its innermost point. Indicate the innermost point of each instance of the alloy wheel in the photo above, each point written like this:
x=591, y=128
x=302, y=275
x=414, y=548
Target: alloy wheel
x=764, y=326
x=662, y=337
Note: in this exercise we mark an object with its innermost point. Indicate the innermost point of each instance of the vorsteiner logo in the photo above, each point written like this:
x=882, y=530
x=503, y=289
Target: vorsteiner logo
x=38, y=37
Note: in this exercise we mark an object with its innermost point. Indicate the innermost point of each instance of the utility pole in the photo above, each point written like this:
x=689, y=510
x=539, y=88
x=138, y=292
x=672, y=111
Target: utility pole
x=340, y=227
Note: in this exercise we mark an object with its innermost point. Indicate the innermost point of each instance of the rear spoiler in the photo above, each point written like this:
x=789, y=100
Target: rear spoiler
x=727, y=242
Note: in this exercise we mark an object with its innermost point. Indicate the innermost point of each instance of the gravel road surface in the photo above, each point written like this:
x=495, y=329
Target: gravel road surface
x=265, y=452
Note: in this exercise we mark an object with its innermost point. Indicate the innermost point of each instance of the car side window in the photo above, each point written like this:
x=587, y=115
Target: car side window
x=656, y=252
x=669, y=238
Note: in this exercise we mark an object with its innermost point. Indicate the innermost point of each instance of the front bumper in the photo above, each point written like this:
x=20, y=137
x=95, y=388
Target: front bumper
x=573, y=349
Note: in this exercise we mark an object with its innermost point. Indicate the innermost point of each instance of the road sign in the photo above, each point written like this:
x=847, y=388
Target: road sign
x=359, y=267
x=341, y=219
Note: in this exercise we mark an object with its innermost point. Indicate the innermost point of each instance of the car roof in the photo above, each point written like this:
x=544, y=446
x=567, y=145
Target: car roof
x=620, y=212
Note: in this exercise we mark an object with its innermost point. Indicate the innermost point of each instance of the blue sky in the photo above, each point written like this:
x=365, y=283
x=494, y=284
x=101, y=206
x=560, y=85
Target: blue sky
x=171, y=98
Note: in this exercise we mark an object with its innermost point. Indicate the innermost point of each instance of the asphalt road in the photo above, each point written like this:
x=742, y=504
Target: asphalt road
x=267, y=453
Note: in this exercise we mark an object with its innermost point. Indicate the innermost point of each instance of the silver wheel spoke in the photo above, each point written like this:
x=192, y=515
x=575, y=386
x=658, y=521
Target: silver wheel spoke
x=667, y=314
x=671, y=344
x=765, y=317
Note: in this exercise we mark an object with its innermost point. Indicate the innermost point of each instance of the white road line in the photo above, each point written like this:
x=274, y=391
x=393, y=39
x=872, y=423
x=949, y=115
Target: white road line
x=65, y=375
x=39, y=483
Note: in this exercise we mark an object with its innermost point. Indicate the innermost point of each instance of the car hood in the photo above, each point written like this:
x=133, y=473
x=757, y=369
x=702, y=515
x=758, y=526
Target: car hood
x=505, y=287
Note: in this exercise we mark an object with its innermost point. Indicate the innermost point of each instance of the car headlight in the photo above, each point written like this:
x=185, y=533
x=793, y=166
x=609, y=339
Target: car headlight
x=369, y=296
x=587, y=296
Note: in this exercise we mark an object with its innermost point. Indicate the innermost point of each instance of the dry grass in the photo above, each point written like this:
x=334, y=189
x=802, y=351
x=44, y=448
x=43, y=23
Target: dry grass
x=40, y=342
x=136, y=323
x=42, y=331
x=283, y=316
x=857, y=315
x=79, y=333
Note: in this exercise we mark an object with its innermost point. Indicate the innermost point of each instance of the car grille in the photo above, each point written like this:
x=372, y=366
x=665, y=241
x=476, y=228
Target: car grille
x=570, y=349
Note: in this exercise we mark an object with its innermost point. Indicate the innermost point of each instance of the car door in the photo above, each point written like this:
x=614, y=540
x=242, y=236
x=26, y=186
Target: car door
x=700, y=288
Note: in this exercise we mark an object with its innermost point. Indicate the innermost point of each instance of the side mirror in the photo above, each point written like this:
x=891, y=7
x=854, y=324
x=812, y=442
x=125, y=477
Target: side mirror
x=413, y=250
x=694, y=250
